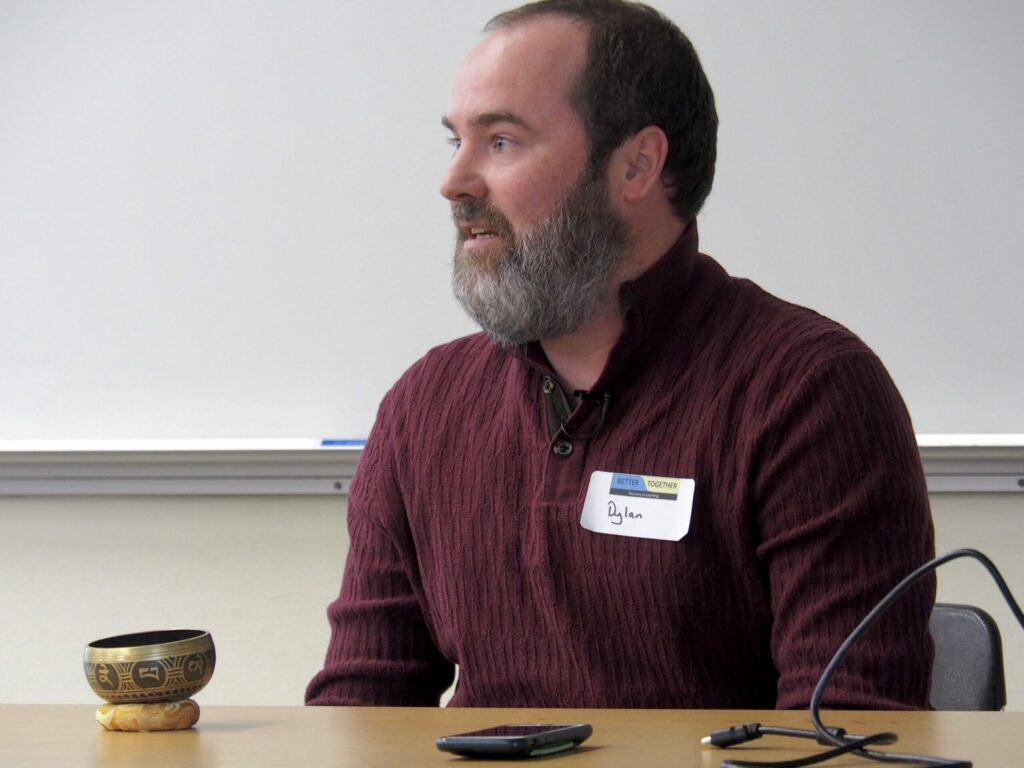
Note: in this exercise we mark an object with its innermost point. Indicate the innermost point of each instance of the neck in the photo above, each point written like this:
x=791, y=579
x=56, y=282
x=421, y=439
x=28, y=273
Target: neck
x=579, y=358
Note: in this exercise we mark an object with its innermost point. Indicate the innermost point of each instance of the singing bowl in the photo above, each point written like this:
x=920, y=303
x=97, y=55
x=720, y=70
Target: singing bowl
x=148, y=667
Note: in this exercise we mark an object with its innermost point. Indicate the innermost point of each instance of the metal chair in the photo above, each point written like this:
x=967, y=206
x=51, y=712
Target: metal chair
x=968, y=671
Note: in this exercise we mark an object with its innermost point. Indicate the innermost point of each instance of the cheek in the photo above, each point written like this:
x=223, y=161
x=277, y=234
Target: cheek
x=527, y=200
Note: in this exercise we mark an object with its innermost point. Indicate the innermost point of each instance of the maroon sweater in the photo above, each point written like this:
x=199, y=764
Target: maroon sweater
x=810, y=503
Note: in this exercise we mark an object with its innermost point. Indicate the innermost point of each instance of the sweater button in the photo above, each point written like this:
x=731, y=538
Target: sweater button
x=549, y=385
x=563, y=449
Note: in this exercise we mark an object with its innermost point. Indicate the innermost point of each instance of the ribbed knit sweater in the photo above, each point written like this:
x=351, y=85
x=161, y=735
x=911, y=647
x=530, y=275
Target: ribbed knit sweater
x=810, y=503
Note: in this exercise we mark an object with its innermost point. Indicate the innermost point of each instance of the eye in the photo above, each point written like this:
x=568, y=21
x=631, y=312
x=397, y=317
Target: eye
x=502, y=143
x=454, y=142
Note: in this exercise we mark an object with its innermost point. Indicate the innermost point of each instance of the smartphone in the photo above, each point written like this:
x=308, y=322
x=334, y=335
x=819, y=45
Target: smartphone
x=519, y=740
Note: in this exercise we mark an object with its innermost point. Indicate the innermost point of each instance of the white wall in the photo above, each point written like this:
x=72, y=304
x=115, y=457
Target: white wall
x=203, y=202
x=258, y=573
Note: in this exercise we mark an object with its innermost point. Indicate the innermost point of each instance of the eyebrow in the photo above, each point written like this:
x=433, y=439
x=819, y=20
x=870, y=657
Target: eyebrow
x=490, y=118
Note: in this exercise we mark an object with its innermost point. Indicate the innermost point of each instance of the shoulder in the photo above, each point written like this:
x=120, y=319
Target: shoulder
x=441, y=387
x=792, y=324
x=441, y=369
x=785, y=341
x=413, y=406
x=812, y=378
x=474, y=348
x=738, y=324
x=774, y=358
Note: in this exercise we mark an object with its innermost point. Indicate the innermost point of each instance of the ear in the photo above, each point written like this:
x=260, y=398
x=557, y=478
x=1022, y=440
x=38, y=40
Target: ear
x=637, y=164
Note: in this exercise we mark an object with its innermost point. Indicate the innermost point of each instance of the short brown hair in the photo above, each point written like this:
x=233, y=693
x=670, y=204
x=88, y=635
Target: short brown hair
x=641, y=70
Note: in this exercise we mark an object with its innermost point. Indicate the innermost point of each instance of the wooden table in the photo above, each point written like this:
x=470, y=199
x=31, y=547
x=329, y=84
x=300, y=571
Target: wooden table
x=338, y=737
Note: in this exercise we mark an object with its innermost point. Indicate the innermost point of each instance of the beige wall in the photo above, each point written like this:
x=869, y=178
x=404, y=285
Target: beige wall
x=259, y=571
x=994, y=524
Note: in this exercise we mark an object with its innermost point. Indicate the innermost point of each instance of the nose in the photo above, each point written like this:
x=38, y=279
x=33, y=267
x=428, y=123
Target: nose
x=463, y=180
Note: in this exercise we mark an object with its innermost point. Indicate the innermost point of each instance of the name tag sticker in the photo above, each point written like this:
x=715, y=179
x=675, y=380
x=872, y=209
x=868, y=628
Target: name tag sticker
x=642, y=506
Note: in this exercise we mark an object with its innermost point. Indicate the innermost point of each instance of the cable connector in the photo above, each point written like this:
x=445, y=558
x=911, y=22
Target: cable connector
x=737, y=734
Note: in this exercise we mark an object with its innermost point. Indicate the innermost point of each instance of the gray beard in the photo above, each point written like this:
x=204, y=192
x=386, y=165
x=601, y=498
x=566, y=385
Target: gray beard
x=548, y=281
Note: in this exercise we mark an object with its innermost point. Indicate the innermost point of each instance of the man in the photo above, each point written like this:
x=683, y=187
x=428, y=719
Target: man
x=584, y=146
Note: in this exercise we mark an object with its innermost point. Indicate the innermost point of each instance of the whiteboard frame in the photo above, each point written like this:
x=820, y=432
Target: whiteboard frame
x=303, y=467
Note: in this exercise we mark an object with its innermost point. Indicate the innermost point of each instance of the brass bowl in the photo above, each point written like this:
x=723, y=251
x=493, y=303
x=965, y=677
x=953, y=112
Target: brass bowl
x=147, y=667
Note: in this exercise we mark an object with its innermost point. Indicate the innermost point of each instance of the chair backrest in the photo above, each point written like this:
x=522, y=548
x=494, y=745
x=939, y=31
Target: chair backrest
x=968, y=671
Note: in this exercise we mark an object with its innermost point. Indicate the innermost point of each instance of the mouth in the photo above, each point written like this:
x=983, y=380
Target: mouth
x=475, y=234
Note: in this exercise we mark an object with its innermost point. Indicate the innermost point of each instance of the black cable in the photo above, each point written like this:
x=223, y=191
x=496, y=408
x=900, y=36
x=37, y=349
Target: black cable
x=739, y=734
x=867, y=621
x=837, y=737
x=850, y=746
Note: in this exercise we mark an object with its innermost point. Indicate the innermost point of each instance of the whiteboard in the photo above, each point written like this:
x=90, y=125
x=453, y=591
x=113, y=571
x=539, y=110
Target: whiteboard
x=221, y=219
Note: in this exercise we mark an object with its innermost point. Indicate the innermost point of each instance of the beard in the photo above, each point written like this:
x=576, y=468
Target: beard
x=549, y=279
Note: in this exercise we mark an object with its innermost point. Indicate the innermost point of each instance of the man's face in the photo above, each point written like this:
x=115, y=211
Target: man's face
x=537, y=242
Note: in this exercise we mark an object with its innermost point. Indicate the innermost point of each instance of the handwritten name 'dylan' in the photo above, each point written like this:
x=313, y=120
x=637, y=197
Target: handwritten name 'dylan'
x=617, y=517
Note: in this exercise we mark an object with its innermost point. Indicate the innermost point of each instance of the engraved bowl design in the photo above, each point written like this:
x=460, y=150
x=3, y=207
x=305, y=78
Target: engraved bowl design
x=149, y=667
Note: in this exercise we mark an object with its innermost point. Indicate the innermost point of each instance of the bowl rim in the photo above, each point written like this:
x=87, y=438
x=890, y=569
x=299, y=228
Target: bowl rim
x=161, y=641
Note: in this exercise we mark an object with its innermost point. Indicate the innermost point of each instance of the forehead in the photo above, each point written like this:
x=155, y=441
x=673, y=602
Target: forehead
x=527, y=69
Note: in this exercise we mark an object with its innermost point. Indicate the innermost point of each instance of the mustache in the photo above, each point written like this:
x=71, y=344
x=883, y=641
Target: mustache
x=482, y=212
